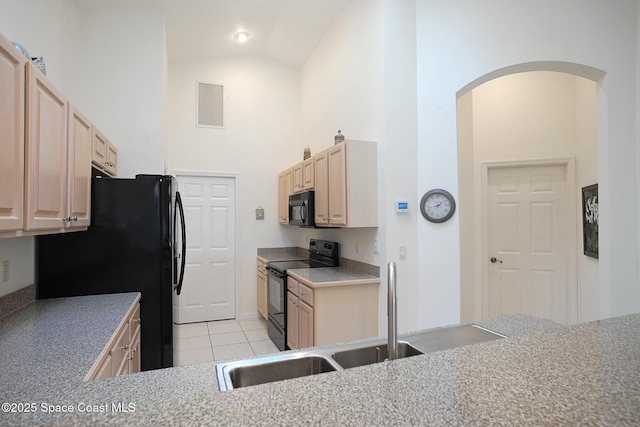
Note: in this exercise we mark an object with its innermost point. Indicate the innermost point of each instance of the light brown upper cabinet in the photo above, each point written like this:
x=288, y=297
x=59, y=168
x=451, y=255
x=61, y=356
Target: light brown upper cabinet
x=283, y=199
x=57, y=160
x=297, y=177
x=302, y=174
x=45, y=153
x=112, y=160
x=307, y=175
x=79, y=170
x=105, y=154
x=321, y=179
x=12, y=84
x=285, y=189
x=346, y=185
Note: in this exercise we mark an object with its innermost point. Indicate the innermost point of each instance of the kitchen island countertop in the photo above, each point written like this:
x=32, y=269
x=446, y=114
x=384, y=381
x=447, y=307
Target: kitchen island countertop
x=542, y=374
x=331, y=276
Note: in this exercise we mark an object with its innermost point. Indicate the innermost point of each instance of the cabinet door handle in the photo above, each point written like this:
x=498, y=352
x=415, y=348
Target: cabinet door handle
x=124, y=347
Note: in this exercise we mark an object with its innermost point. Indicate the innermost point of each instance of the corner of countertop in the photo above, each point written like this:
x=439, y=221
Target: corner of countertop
x=16, y=300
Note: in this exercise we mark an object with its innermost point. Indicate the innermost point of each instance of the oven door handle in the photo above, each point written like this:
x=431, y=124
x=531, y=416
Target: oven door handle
x=275, y=273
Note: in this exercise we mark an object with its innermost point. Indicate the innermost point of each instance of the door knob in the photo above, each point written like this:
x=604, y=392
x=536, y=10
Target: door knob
x=494, y=260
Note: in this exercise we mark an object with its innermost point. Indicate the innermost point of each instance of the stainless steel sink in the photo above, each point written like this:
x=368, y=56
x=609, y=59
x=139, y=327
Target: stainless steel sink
x=372, y=354
x=452, y=337
x=262, y=370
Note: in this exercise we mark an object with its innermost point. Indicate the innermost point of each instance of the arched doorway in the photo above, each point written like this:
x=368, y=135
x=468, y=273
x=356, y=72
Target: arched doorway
x=534, y=114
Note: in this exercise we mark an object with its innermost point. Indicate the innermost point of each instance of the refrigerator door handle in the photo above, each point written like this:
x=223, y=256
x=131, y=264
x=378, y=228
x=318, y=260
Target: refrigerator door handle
x=183, y=250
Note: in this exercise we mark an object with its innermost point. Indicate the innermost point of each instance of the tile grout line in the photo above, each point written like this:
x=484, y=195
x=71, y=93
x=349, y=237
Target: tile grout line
x=244, y=332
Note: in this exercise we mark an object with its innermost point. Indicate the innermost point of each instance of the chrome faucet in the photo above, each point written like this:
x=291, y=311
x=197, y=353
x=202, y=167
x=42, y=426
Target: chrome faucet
x=392, y=312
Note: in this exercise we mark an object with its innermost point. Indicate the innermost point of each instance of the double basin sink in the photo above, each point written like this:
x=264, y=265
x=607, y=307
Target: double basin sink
x=260, y=370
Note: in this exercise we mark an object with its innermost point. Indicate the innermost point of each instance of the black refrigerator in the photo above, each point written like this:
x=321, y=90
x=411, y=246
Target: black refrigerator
x=135, y=243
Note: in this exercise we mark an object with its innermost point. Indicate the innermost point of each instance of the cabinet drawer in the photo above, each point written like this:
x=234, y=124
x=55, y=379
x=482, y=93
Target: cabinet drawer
x=305, y=294
x=134, y=353
x=134, y=322
x=115, y=356
x=120, y=350
x=292, y=285
x=261, y=266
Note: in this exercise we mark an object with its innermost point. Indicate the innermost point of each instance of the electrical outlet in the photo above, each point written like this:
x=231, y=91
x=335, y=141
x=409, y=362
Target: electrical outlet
x=357, y=247
x=376, y=247
x=5, y=271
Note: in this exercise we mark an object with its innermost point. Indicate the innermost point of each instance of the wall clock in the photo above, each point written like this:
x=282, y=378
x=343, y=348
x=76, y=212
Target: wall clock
x=437, y=205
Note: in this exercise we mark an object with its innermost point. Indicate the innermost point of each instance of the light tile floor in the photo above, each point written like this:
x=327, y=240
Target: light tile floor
x=226, y=339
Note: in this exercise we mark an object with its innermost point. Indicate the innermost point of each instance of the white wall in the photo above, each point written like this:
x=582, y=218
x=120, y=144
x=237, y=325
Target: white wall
x=399, y=161
x=458, y=42
x=260, y=138
x=362, y=79
x=47, y=28
x=107, y=61
x=122, y=83
x=342, y=87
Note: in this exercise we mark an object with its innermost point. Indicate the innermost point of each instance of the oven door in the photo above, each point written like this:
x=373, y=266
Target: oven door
x=276, y=307
x=275, y=298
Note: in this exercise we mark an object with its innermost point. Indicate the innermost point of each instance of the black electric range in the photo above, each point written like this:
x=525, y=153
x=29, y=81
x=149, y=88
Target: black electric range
x=322, y=253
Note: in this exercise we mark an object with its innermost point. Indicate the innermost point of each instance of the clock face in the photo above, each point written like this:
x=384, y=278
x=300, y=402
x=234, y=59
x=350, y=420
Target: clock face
x=437, y=205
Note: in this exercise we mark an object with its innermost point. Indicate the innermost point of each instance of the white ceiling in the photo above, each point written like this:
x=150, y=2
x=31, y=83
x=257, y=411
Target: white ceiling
x=287, y=30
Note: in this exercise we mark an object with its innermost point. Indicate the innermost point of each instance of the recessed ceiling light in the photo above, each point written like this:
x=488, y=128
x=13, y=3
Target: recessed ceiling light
x=241, y=36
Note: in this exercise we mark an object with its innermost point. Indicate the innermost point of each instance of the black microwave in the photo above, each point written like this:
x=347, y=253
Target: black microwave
x=301, y=209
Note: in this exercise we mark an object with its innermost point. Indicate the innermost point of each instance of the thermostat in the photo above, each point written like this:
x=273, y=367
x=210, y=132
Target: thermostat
x=402, y=206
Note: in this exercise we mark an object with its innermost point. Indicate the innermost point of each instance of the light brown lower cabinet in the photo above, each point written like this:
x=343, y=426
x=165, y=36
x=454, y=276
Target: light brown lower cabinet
x=330, y=314
x=121, y=355
x=262, y=287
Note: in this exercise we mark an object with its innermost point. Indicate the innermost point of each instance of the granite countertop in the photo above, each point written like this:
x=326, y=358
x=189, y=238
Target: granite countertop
x=283, y=254
x=542, y=374
x=331, y=276
x=282, y=257
x=57, y=338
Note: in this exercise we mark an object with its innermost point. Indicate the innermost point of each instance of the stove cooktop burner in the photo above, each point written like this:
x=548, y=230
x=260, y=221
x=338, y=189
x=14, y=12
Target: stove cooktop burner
x=322, y=253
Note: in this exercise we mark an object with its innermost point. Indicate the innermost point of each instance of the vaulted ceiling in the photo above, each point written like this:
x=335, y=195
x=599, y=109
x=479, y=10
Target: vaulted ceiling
x=286, y=30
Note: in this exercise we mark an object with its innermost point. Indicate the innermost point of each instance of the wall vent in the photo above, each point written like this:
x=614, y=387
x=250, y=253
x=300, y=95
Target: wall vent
x=210, y=105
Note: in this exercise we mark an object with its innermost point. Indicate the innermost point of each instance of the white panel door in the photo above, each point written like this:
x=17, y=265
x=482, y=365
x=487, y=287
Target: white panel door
x=209, y=288
x=527, y=238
